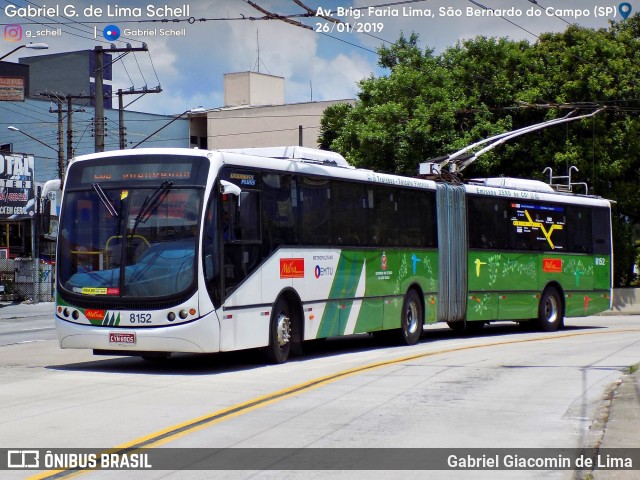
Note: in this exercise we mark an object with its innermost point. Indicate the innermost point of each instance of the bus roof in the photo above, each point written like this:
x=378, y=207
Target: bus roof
x=321, y=162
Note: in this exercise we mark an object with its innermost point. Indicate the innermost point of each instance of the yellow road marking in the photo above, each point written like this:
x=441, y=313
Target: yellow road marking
x=179, y=430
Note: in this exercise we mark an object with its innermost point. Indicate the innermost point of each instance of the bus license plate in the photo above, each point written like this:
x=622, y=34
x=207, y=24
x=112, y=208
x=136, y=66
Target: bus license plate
x=122, y=338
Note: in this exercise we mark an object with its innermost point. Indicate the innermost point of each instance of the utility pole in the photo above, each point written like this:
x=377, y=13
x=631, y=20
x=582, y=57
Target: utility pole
x=69, y=129
x=58, y=98
x=99, y=100
x=60, y=143
x=99, y=95
x=121, y=137
x=132, y=91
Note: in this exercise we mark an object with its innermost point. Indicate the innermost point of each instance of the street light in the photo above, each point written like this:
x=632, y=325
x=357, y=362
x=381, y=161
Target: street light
x=32, y=46
x=191, y=110
x=15, y=129
x=58, y=151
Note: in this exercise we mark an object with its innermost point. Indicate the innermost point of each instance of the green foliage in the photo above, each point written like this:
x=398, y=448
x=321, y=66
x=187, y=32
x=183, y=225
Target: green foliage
x=430, y=105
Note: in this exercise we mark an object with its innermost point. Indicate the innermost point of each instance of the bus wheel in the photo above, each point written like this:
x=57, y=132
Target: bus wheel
x=550, y=310
x=412, y=319
x=279, y=333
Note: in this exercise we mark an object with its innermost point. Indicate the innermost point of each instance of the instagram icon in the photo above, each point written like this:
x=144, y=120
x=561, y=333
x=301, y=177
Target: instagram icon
x=13, y=33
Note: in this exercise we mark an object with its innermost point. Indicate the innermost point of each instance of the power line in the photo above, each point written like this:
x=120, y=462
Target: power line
x=477, y=4
x=535, y=2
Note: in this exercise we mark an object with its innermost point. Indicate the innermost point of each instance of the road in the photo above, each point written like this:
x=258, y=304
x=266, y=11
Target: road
x=503, y=388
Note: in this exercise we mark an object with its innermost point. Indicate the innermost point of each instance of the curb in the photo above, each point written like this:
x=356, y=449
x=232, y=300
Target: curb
x=616, y=424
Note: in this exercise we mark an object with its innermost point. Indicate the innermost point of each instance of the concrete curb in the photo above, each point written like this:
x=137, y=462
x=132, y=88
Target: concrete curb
x=616, y=425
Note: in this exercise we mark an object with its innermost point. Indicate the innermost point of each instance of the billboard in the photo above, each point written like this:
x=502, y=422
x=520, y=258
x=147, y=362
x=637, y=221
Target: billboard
x=12, y=89
x=17, y=176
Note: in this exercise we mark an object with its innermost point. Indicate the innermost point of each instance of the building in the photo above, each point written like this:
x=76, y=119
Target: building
x=255, y=115
x=69, y=73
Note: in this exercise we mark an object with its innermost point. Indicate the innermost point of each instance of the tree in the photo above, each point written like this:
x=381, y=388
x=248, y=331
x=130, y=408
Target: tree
x=429, y=105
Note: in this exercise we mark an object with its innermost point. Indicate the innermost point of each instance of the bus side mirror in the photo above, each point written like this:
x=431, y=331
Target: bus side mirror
x=230, y=188
x=46, y=217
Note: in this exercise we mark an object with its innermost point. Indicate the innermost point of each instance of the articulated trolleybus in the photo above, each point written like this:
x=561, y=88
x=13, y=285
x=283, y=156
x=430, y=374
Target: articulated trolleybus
x=178, y=250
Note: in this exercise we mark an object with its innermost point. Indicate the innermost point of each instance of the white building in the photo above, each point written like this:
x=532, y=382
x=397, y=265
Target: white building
x=255, y=115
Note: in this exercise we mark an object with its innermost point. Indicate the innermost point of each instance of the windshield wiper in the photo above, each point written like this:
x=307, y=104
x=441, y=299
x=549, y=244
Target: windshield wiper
x=105, y=200
x=150, y=204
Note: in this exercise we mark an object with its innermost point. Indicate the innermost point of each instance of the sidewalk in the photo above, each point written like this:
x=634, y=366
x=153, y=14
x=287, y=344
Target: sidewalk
x=26, y=310
x=621, y=426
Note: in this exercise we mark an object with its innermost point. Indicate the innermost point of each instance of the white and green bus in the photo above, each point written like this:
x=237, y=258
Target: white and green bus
x=178, y=250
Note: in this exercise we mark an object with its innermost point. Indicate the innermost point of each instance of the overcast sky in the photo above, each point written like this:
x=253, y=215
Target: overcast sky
x=326, y=66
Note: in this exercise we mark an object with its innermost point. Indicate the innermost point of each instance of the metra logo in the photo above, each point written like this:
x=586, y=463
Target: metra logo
x=323, y=271
x=292, y=268
x=552, y=265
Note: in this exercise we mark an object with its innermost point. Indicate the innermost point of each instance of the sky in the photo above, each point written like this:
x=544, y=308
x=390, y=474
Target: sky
x=320, y=60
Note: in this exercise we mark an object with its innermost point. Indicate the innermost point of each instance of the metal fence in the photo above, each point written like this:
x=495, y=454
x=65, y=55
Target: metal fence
x=19, y=282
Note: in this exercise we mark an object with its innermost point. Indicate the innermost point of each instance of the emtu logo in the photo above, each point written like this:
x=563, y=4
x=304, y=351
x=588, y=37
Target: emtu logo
x=111, y=33
x=12, y=33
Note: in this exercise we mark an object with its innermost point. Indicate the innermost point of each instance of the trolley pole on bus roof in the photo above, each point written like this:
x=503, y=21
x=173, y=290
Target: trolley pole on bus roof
x=461, y=159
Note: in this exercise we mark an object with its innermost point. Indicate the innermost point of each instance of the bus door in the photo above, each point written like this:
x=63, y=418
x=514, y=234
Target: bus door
x=240, y=225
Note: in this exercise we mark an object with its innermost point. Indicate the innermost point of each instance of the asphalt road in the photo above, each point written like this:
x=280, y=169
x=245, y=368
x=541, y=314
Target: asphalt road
x=503, y=388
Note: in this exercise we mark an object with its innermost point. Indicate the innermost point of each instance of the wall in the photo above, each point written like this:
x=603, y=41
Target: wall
x=626, y=301
x=268, y=126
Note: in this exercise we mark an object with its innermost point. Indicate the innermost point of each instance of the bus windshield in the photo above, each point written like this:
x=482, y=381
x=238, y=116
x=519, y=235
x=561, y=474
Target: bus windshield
x=129, y=242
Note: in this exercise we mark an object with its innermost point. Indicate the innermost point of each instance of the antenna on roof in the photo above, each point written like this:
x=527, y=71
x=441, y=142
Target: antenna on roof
x=256, y=66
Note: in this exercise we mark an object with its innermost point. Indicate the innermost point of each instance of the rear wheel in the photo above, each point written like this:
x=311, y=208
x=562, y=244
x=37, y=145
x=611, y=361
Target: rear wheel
x=550, y=310
x=412, y=319
x=279, y=333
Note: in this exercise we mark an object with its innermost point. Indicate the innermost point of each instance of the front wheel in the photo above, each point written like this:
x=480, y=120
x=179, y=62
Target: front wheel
x=412, y=319
x=550, y=311
x=279, y=333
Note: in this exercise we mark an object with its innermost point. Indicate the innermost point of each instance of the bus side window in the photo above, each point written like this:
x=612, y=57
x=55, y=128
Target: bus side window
x=349, y=204
x=601, y=233
x=248, y=218
x=579, y=232
x=489, y=223
x=314, y=195
x=279, y=225
x=383, y=205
